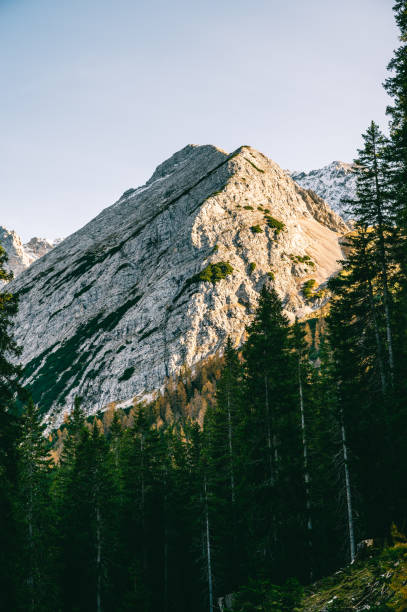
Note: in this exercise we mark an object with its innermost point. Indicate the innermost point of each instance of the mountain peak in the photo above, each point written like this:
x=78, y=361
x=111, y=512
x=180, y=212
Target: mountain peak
x=130, y=298
x=333, y=183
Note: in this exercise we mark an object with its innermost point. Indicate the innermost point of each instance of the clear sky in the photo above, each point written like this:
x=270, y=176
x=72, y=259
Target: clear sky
x=95, y=93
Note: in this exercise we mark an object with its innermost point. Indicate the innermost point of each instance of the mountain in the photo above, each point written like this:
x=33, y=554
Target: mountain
x=162, y=277
x=21, y=256
x=332, y=183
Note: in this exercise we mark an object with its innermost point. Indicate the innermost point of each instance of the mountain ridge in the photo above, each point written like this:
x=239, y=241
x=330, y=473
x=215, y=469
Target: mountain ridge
x=119, y=306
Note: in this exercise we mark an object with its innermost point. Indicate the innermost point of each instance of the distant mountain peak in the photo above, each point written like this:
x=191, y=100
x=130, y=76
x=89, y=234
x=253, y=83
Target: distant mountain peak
x=21, y=256
x=332, y=183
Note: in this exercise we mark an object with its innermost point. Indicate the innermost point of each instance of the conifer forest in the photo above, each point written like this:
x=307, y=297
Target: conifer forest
x=301, y=454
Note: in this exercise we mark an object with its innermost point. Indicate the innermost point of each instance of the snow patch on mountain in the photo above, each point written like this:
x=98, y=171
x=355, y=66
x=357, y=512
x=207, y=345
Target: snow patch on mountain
x=332, y=183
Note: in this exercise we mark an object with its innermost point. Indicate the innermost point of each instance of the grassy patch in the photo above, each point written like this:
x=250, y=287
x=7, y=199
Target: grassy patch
x=256, y=229
x=304, y=259
x=254, y=166
x=128, y=373
x=308, y=288
x=275, y=224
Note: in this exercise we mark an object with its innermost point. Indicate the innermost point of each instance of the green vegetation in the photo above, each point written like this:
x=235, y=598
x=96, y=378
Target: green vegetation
x=254, y=166
x=62, y=367
x=377, y=583
x=252, y=267
x=305, y=259
x=248, y=207
x=271, y=275
x=128, y=373
x=275, y=224
x=213, y=273
x=256, y=229
x=215, y=248
x=308, y=288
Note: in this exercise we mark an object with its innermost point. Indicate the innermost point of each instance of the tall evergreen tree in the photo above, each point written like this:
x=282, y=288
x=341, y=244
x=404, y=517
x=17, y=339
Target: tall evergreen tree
x=273, y=434
x=9, y=387
x=34, y=512
x=373, y=210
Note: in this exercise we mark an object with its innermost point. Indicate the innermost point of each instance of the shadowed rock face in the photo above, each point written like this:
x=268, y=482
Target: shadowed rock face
x=117, y=306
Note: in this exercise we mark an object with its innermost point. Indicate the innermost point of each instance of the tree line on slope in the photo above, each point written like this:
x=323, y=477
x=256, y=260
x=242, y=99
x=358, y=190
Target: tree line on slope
x=278, y=483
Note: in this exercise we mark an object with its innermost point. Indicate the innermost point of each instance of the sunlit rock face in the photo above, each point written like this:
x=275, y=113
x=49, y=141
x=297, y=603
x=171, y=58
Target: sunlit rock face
x=118, y=306
x=21, y=256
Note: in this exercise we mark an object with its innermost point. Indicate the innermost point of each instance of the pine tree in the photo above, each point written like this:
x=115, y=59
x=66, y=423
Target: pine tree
x=396, y=87
x=303, y=384
x=35, y=514
x=274, y=460
x=374, y=212
x=223, y=433
x=9, y=388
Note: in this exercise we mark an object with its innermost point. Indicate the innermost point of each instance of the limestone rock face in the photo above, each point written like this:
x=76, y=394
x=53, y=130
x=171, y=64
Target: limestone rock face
x=117, y=307
x=21, y=256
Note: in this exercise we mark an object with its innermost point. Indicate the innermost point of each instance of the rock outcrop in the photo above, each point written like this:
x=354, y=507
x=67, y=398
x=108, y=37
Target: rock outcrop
x=162, y=277
x=21, y=256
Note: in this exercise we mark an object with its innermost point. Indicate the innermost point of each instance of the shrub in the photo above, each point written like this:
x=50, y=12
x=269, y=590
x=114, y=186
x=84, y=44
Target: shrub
x=252, y=267
x=215, y=248
x=307, y=288
x=213, y=273
x=271, y=275
x=256, y=229
x=305, y=259
x=128, y=373
x=248, y=207
x=275, y=224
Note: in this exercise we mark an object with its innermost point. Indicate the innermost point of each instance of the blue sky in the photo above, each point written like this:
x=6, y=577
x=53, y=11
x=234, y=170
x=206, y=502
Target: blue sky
x=95, y=93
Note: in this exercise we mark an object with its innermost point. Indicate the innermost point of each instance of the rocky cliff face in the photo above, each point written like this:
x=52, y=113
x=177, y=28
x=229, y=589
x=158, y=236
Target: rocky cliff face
x=332, y=183
x=21, y=256
x=162, y=277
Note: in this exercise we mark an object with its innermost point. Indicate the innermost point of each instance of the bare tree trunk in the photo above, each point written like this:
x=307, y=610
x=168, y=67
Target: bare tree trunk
x=306, y=466
x=98, y=559
x=143, y=498
x=230, y=436
x=270, y=445
x=165, y=544
x=208, y=550
x=351, y=532
x=30, y=579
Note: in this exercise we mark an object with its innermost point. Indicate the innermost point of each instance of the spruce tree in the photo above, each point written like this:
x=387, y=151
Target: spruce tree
x=273, y=437
x=9, y=388
x=35, y=517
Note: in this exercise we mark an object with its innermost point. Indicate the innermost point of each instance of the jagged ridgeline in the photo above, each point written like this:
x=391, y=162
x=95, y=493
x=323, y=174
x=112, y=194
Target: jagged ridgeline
x=159, y=279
